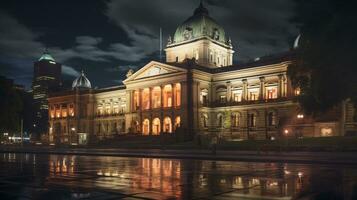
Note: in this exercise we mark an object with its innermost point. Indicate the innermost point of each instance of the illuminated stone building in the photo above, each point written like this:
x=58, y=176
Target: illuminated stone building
x=46, y=78
x=198, y=89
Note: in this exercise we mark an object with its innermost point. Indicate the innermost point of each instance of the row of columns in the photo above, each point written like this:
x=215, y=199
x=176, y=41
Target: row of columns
x=132, y=103
x=282, y=88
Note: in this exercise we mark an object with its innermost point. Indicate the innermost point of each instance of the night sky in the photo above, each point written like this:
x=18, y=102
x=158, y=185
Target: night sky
x=106, y=38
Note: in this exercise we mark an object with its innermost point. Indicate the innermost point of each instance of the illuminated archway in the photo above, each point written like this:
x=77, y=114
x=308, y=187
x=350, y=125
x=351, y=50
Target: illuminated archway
x=146, y=127
x=145, y=99
x=167, y=125
x=156, y=126
x=167, y=96
x=177, y=122
x=156, y=97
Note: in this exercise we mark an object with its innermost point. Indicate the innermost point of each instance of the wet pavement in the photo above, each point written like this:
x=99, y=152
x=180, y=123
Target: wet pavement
x=42, y=176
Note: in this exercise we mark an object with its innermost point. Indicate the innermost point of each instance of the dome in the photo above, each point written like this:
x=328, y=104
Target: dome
x=199, y=25
x=81, y=82
x=46, y=56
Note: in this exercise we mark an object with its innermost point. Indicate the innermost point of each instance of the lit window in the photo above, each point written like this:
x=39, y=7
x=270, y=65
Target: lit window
x=272, y=92
x=204, y=96
x=136, y=100
x=222, y=99
x=178, y=94
x=146, y=99
x=167, y=125
x=167, y=96
x=156, y=126
x=146, y=127
x=177, y=121
x=237, y=96
x=253, y=94
x=156, y=97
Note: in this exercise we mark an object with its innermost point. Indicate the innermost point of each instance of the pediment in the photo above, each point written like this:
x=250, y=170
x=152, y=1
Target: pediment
x=154, y=69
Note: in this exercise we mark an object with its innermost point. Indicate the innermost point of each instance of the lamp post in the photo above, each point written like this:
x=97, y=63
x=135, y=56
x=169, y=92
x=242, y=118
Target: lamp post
x=286, y=133
x=72, y=133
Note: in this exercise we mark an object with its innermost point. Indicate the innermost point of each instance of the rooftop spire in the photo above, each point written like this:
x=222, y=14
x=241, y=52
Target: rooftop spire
x=201, y=9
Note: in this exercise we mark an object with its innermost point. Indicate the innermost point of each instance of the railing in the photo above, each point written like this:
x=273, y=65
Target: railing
x=245, y=102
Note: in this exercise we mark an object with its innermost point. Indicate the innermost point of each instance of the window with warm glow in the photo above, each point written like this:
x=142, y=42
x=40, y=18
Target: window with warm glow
x=177, y=121
x=237, y=96
x=204, y=96
x=167, y=96
x=178, y=94
x=222, y=99
x=167, y=125
x=272, y=92
x=116, y=109
x=235, y=120
x=71, y=110
x=156, y=126
x=253, y=94
x=136, y=100
x=156, y=97
x=146, y=99
x=146, y=127
x=107, y=110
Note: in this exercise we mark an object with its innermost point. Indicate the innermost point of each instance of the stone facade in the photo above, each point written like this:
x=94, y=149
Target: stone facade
x=191, y=90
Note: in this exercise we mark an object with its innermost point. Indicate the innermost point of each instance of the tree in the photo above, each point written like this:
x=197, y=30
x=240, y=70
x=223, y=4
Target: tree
x=325, y=67
x=10, y=106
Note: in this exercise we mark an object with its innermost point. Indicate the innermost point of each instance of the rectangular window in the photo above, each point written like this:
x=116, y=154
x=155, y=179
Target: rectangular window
x=272, y=92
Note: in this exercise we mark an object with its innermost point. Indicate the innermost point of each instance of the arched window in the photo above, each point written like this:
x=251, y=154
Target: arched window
x=167, y=125
x=177, y=94
x=156, y=126
x=177, y=121
x=204, y=118
x=146, y=99
x=271, y=119
x=146, y=127
x=156, y=97
x=204, y=97
x=136, y=100
x=220, y=120
x=236, y=120
x=167, y=96
x=252, y=120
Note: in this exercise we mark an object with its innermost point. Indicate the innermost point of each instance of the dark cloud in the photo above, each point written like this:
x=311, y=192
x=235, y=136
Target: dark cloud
x=125, y=33
x=256, y=27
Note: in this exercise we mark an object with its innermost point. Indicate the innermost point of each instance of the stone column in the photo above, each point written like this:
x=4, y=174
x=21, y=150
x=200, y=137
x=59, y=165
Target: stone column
x=262, y=88
x=150, y=98
x=280, y=87
x=245, y=90
x=173, y=95
x=128, y=101
x=162, y=97
x=285, y=85
x=140, y=99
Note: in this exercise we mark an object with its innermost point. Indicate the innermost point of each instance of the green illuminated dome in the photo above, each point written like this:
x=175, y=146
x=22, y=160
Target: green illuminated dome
x=199, y=25
x=46, y=56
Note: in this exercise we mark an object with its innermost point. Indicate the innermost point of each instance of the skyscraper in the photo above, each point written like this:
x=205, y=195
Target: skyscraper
x=46, y=79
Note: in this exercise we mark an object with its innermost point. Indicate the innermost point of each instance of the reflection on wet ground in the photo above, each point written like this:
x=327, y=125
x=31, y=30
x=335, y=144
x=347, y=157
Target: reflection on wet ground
x=31, y=176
